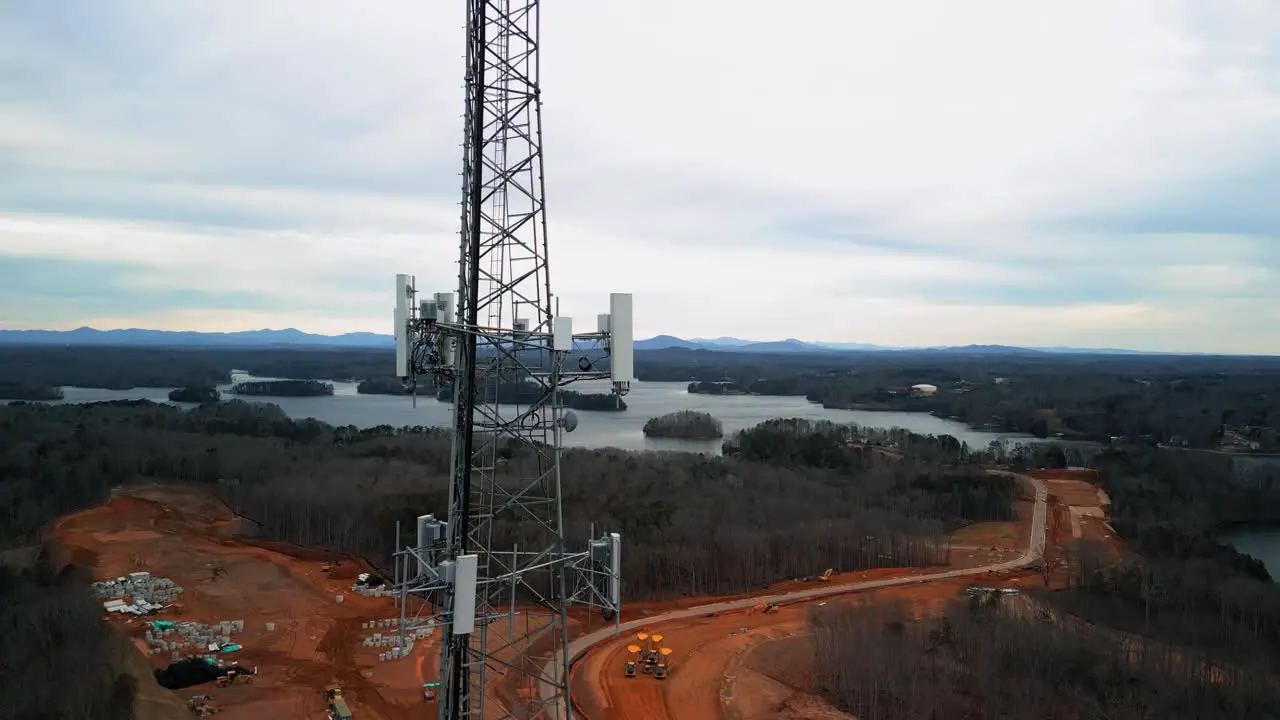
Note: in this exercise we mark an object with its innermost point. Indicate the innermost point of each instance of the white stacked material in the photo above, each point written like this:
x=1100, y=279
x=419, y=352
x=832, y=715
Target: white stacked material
x=365, y=590
x=192, y=635
x=140, y=587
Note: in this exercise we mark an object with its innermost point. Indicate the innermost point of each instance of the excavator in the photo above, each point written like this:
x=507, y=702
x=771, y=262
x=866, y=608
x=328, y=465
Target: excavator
x=826, y=575
x=663, y=668
x=629, y=669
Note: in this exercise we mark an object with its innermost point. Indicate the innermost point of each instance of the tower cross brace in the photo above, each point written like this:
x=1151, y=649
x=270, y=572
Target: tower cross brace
x=502, y=350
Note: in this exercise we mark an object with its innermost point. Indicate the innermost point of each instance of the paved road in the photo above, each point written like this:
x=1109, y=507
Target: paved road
x=1035, y=549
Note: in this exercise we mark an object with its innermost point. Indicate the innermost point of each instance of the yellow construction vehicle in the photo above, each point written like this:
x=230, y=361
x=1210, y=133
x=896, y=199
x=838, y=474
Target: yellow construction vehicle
x=337, y=703
x=771, y=608
x=826, y=575
x=653, y=652
x=329, y=565
x=663, y=668
x=236, y=675
x=645, y=644
x=630, y=668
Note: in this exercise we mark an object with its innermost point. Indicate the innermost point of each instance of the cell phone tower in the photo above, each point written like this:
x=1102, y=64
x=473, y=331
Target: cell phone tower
x=500, y=344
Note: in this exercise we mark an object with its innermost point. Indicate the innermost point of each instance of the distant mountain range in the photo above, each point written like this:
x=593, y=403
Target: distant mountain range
x=290, y=337
x=170, y=338
x=791, y=345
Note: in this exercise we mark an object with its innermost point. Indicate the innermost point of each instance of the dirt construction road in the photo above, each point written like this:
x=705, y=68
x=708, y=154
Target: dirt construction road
x=581, y=646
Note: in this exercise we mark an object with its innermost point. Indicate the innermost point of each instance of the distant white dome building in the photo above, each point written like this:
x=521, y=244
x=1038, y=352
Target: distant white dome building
x=924, y=390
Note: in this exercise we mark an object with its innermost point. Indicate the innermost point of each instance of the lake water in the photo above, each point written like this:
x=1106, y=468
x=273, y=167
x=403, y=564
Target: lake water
x=595, y=429
x=1261, y=542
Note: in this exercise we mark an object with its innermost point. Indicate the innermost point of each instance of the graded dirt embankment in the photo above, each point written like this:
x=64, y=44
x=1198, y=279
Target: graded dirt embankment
x=749, y=665
x=187, y=536
x=743, y=665
x=296, y=632
x=1084, y=507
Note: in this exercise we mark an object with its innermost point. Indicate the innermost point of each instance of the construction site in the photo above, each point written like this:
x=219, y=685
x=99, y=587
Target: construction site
x=264, y=629
x=753, y=660
x=258, y=629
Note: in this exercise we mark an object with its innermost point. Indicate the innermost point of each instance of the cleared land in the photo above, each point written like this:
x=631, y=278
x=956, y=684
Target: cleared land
x=1085, y=506
x=187, y=536
x=747, y=665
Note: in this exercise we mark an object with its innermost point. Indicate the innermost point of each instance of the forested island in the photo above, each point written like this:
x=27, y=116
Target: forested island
x=195, y=394
x=684, y=424
x=283, y=388
x=10, y=391
x=384, y=386
x=717, y=387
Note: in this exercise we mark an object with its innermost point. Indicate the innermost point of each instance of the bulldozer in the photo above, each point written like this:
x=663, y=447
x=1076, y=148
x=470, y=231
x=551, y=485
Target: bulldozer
x=329, y=565
x=236, y=675
x=338, y=709
x=771, y=608
x=663, y=666
x=629, y=669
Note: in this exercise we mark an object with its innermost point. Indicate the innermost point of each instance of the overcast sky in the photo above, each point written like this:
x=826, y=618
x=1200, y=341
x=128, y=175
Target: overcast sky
x=1087, y=173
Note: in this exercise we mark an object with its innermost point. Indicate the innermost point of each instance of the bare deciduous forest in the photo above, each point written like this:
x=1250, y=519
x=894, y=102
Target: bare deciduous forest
x=693, y=525
x=1006, y=657
x=57, y=657
x=791, y=498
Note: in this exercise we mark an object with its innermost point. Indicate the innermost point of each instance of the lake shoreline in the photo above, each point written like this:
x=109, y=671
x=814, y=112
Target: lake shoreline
x=597, y=429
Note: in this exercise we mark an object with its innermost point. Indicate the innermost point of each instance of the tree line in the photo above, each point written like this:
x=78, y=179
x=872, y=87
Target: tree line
x=1181, y=401
x=1004, y=657
x=1191, y=401
x=692, y=524
x=1180, y=582
x=58, y=658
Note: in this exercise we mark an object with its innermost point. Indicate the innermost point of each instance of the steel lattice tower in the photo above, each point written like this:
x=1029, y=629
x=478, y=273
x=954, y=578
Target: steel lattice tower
x=503, y=541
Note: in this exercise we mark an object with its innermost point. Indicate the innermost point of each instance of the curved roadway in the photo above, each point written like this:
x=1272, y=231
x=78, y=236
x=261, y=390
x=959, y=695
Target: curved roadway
x=579, y=647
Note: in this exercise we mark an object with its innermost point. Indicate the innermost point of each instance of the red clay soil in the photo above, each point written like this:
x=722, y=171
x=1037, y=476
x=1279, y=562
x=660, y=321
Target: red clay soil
x=1088, y=475
x=709, y=647
x=1078, y=511
x=709, y=653
x=774, y=677
x=183, y=534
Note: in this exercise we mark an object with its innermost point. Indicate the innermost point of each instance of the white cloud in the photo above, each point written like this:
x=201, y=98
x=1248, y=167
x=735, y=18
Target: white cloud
x=918, y=172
